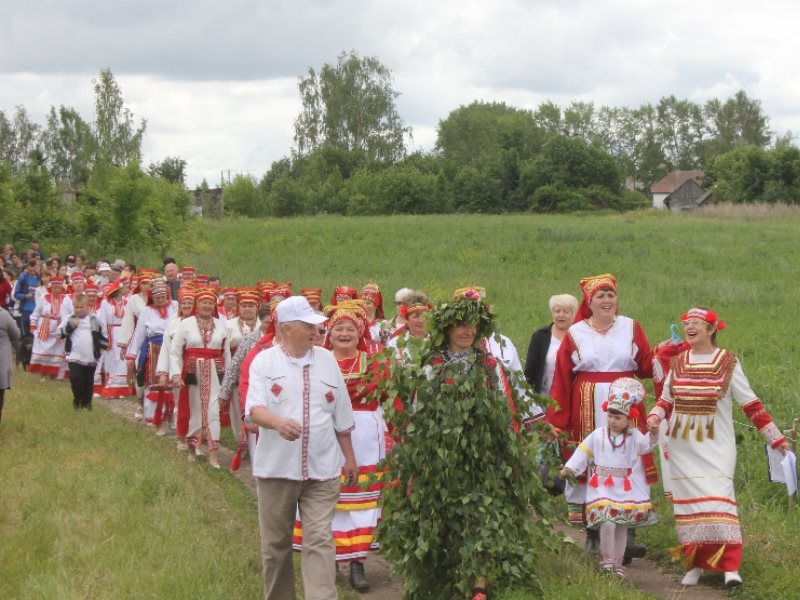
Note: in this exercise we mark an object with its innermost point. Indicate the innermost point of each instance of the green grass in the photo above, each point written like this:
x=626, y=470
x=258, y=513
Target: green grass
x=97, y=507
x=746, y=269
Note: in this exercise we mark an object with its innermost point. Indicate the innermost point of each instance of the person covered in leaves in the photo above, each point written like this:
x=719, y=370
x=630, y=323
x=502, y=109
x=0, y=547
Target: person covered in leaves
x=459, y=517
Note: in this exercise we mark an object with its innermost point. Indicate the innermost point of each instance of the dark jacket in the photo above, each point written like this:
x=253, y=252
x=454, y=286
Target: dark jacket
x=537, y=354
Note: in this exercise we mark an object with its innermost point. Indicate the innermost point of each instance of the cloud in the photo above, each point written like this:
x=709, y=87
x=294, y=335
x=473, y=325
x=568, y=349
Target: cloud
x=217, y=82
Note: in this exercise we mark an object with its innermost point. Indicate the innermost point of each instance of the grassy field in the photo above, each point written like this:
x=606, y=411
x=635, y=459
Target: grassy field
x=747, y=269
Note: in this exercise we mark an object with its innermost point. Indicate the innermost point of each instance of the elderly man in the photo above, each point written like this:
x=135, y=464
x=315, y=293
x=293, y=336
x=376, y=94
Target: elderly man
x=298, y=398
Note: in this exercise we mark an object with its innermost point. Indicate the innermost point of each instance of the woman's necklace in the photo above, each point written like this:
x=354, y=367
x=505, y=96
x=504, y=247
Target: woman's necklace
x=206, y=327
x=602, y=331
x=616, y=437
x=248, y=325
x=349, y=369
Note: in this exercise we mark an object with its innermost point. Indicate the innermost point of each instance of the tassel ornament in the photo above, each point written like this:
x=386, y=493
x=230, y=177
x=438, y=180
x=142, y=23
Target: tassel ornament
x=594, y=481
x=609, y=481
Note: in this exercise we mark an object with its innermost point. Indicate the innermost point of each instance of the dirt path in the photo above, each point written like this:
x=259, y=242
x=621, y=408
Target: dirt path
x=643, y=574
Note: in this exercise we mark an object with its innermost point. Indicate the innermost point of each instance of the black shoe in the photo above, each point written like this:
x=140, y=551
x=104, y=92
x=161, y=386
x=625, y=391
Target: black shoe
x=357, y=579
x=632, y=549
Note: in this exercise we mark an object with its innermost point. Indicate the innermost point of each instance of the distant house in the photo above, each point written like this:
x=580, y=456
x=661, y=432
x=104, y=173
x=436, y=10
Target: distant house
x=680, y=190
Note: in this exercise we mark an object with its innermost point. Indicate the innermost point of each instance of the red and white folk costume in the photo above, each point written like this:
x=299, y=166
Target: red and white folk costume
x=180, y=394
x=697, y=401
x=379, y=328
x=238, y=329
x=199, y=356
x=145, y=347
x=115, y=369
x=47, y=354
x=357, y=511
x=227, y=307
x=586, y=364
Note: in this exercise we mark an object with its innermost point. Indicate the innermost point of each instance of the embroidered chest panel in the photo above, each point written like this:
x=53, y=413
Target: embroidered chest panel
x=696, y=388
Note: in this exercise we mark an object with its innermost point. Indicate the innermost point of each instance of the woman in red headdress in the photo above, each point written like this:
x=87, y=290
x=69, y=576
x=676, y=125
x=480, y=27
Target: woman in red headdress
x=697, y=402
x=379, y=328
x=357, y=511
x=180, y=394
x=199, y=355
x=143, y=352
x=115, y=369
x=47, y=354
x=599, y=347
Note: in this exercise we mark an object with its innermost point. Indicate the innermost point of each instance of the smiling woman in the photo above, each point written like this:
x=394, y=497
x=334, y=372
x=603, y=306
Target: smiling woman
x=697, y=401
x=599, y=348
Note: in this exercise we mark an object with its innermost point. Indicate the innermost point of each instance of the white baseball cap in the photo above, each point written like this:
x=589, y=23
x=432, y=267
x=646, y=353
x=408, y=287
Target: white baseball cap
x=297, y=308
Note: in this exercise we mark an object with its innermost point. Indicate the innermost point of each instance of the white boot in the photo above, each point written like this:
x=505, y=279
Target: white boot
x=692, y=577
x=732, y=579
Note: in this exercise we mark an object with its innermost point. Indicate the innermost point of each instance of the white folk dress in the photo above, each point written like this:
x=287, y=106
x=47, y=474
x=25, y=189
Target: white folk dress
x=610, y=495
x=586, y=364
x=201, y=357
x=115, y=369
x=47, y=354
x=697, y=401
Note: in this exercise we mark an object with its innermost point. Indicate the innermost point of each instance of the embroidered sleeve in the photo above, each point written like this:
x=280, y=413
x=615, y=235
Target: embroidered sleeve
x=760, y=418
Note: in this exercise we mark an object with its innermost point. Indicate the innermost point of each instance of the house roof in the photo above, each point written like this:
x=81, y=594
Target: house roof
x=672, y=181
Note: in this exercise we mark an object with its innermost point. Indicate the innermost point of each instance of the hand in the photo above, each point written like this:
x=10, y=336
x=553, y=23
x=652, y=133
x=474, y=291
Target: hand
x=784, y=447
x=653, y=423
x=289, y=429
x=162, y=380
x=565, y=473
x=177, y=381
x=350, y=472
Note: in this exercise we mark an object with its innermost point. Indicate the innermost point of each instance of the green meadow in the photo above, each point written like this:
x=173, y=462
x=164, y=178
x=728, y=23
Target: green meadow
x=83, y=518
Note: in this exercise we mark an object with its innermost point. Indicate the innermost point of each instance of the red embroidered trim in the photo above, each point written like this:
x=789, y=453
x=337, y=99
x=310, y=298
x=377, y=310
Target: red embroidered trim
x=306, y=416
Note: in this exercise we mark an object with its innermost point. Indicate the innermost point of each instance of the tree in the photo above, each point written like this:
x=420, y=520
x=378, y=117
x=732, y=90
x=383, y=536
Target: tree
x=242, y=197
x=119, y=140
x=69, y=146
x=351, y=105
x=19, y=139
x=172, y=168
x=737, y=121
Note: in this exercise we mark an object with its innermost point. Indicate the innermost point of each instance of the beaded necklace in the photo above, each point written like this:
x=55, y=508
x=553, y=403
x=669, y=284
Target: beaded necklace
x=205, y=326
x=611, y=439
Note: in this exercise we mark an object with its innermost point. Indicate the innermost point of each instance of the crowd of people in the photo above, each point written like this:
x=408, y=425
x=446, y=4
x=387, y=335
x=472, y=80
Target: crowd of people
x=294, y=377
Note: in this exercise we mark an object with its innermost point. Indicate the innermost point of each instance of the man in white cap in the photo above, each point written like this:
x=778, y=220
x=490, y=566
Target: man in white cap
x=298, y=398
x=104, y=274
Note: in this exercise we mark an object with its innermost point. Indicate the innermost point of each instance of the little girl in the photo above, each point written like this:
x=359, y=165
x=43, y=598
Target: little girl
x=612, y=503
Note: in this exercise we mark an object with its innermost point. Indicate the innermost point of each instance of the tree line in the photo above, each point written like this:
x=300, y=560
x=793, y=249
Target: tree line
x=81, y=182
x=350, y=153
x=350, y=157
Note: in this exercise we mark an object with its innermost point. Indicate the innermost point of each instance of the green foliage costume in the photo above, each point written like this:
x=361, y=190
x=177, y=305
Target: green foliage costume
x=465, y=504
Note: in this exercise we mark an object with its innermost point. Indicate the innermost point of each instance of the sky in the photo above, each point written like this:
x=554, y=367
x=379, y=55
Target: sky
x=217, y=81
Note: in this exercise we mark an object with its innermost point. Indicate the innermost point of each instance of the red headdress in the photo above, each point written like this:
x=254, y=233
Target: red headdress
x=56, y=281
x=351, y=310
x=312, y=294
x=590, y=286
x=373, y=292
x=704, y=314
x=202, y=280
x=187, y=273
x=248, y=295
x=343, y=292
x=205, y=293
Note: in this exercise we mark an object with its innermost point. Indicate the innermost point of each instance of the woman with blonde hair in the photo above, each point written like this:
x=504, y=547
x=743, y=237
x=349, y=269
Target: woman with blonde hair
x=545, y=342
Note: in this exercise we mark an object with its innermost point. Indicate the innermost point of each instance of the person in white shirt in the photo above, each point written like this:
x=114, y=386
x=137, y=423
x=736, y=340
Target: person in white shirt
x=298, y=398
